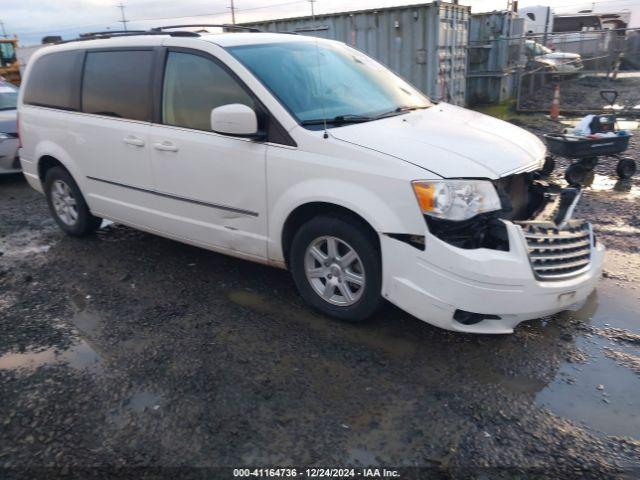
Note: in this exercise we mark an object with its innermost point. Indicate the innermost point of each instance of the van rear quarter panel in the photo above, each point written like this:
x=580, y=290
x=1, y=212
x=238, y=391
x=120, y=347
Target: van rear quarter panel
x=44, y=133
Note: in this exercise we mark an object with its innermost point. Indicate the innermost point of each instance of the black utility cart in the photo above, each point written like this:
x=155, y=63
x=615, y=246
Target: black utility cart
x=587, y=150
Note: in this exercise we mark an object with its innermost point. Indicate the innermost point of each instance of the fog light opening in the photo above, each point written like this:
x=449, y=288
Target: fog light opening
x=471, y=318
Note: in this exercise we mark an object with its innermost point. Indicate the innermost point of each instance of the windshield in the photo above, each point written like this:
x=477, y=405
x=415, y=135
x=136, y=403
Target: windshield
x=538, y=49
x=7, y=54
x=324, y=80
x=8, y=96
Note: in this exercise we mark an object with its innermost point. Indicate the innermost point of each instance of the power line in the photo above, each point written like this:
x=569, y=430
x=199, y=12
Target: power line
x=213, y=14
x=596, y=3
x=67, y=28
x=210, y=14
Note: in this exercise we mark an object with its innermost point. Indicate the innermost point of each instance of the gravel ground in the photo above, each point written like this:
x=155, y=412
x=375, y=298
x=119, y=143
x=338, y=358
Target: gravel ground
x=127, y=350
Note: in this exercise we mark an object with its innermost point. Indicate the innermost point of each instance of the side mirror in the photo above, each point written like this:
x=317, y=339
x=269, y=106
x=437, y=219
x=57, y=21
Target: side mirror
x=237, y=120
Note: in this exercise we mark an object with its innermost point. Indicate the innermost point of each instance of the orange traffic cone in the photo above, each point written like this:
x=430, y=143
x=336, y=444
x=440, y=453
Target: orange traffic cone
x=555, y=104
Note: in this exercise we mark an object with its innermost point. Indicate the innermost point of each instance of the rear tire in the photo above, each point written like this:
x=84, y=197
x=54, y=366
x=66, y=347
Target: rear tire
x=67, y=205
x=336, y=266
x=626, y=168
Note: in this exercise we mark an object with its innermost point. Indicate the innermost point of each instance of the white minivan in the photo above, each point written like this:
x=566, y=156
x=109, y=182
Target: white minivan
x=306, y=154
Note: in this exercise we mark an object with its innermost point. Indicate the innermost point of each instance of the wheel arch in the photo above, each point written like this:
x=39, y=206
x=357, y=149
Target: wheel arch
x=49, y=155
x=305, y=212
x=46, y=163
x=389, y=209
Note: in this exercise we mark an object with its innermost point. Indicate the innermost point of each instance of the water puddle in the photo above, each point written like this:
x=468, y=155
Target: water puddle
x=603, y=183
x=361, y=457
x=80, y=357
x=142, y=401
x=602, y=391
x=139, y=402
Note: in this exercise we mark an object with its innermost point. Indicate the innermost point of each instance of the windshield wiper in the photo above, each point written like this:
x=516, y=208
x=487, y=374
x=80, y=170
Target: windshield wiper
x=351, y=118
x=401, y=110
x=339, y=120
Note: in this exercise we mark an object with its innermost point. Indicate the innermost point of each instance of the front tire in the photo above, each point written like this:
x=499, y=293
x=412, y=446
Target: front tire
x=67, y=205
x=335, y=263
x=549, y=166
x=575, y=174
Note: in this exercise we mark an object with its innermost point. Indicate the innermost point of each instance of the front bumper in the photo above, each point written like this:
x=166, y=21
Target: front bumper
x=434, y=283
x=9, y=162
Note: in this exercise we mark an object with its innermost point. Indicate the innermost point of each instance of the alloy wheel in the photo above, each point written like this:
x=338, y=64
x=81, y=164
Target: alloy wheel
x=335, y=271
x=64, y=203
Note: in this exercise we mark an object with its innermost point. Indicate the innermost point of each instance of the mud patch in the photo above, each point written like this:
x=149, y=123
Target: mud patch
x=378, y=337
x=22, y=244
x=619, y=334
x=624, y=359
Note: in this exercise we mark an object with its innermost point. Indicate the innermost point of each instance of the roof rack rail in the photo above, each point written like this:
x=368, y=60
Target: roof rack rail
x=156, y=31
x=129, y=33
x=220, y=25
x=111, y=32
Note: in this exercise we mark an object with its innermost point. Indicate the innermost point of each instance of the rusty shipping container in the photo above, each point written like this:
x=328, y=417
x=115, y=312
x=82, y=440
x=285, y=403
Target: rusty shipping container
x=426, y=44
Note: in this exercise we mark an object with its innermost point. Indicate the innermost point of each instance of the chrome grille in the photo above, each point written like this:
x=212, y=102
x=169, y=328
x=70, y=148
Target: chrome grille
x=557, y=254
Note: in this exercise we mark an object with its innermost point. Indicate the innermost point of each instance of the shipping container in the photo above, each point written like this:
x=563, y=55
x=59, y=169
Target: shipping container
x=426, y=44
x=495, y=56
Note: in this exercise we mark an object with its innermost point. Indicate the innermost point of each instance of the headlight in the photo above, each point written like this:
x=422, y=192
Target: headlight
x=456, y=199
x=4, y=136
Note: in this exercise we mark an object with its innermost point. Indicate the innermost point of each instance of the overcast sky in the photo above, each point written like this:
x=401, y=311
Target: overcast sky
x=32, y=19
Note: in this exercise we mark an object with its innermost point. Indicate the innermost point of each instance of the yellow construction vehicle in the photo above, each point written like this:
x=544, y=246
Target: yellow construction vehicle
x=9, y=67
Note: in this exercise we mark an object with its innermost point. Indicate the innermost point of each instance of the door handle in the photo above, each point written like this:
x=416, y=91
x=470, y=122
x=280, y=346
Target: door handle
x=165, y=146
x=133, y=140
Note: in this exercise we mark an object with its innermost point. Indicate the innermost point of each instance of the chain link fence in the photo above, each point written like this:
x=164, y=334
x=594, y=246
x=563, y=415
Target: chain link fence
x=581, y=64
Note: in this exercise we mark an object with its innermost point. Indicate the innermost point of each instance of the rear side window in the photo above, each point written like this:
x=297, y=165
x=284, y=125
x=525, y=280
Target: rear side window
x=193, y=86
x=117, y=83
x=53, y=81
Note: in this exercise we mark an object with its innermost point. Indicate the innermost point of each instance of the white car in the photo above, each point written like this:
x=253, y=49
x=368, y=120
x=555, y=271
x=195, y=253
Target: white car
x=560, y=62
x=9, y=161
x=306, y=154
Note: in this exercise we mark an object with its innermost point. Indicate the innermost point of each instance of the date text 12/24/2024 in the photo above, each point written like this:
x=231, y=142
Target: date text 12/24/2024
x=316, y=472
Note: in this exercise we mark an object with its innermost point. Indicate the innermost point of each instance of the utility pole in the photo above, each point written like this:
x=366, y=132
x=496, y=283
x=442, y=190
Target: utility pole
x=313, y=13
x=124, y=21
x=233, y=13
x=546, y=26
x=4, y=32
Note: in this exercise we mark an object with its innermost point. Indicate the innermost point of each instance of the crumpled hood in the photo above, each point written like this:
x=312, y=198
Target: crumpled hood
x=8, y=121
x=451, y=142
